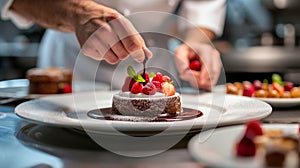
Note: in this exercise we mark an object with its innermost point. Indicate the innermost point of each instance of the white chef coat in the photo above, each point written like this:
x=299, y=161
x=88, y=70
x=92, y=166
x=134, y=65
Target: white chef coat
x=61, y=49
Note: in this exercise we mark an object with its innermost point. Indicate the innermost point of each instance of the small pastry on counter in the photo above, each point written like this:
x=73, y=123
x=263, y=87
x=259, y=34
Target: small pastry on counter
x=49, y=81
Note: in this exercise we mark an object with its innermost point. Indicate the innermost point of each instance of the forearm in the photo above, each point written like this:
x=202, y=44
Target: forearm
x=199, y=35
x=63, y=15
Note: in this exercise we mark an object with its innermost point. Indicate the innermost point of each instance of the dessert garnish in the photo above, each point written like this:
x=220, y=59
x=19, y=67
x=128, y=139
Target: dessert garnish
x=148, y=84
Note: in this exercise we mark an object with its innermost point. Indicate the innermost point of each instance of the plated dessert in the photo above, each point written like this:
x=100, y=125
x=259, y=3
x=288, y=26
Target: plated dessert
x=49, y=80
x=276, y=89
x=277, y=147
x=147, y=95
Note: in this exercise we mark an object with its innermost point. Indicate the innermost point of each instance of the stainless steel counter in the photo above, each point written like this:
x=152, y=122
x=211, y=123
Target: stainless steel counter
x=24, y=144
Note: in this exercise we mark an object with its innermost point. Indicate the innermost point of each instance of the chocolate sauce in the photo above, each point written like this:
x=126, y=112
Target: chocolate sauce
x=107, y=114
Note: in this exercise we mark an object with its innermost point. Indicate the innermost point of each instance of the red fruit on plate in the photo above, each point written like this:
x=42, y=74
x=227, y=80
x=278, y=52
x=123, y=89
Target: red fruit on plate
x=195, y=65
x=127, y=84
x=157, y=85
x=246, y=147
x=253, y=129
x=278, y=87
x=66, y=89
x=158, y=77
x=168, y=89
x=288, y=86
x=166, y=79
x=136, y=88
x=248, y=90
x=257, y=84
x=149, y=89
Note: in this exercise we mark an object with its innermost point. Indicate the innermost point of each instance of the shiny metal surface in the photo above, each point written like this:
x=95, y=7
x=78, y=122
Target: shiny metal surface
x=24, y=144
x=262, y=59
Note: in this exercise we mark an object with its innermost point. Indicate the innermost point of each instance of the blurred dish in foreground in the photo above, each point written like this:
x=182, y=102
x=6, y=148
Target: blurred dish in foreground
x=223, y=154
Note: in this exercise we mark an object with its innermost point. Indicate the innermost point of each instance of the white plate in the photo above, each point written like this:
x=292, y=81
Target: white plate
x=218, y=150
x=60, y=111
x=282, y=102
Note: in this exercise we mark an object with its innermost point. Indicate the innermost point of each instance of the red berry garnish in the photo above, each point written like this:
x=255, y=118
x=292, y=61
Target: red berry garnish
x=248, y=90
x=166, y=79
x=136, y=88
x=288, y=86
x=157, y=85
x=128, y=84
x=149, y=89
x=257, y=84
x=246, y=147
x=158, y=77
x=146, y=77
x=66, y=88
x=253, y=129
x=195, y=65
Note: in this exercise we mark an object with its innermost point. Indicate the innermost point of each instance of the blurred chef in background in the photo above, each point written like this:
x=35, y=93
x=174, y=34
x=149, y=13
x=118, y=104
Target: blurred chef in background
x=71, y=23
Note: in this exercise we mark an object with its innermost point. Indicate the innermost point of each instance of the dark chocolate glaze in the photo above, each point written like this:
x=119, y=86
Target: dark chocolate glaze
x=107, y=114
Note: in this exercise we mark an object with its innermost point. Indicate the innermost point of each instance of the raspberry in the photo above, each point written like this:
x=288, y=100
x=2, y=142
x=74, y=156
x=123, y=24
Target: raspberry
x=288, y=86
x=158, y=77
x=195, y=65
x=157, y=85
x=257, y=84
x=65, y=88
x=253, y=129
x=149, y=89
x=166, y=79
x=127, y=84
x=246, y=147
x=248, y=90
x=136, y=88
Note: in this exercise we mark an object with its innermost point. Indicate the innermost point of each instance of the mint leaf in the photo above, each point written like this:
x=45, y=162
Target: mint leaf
x=151, y=75
x=277, y=78
x=140, y=79
x=131, y=72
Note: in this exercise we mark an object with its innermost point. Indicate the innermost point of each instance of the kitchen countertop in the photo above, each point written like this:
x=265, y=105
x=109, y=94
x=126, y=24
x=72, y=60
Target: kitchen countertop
x=24, y=144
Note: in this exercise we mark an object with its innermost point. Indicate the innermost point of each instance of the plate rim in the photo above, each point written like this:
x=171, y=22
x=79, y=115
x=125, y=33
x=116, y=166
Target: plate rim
x=78, y=124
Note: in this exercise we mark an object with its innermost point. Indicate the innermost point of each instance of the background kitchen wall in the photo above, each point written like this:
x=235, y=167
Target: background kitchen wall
x=260, y=37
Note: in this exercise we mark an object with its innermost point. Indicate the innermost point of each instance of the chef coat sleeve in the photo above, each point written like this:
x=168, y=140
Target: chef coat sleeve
x=6, y=14
x=205, y=13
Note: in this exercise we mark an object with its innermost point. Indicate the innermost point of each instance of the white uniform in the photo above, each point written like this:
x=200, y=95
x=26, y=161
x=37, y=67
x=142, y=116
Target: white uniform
x=62, y=49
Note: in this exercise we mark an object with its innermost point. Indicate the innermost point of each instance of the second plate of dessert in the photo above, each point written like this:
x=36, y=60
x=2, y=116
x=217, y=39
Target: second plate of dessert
x=277, y=147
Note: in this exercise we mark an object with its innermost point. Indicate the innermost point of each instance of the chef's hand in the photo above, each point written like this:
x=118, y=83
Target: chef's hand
x=102, y=32
x=105, y=34
x=210, y=65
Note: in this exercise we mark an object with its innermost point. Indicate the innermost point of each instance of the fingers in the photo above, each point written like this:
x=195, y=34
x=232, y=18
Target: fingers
x=113, y=41
x=106, y=35
x=210, y=69
x=130, y=38
x=181, y=59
